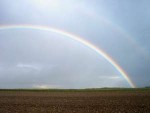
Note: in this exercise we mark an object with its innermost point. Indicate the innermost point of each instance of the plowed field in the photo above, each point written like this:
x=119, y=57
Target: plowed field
x=75, y=102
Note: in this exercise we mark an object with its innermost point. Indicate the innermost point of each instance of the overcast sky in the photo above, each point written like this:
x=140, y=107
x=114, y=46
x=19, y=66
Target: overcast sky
x=40, y=59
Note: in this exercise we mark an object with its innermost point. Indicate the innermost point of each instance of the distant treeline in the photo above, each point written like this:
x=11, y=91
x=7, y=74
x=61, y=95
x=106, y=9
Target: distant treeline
x=80, y=90
x=147, y=87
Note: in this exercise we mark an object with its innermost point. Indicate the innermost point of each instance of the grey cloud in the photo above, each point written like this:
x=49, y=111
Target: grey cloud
x=50, y=59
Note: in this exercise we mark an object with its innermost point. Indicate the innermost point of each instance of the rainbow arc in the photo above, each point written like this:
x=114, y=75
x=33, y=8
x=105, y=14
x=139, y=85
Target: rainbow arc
x=78, y=39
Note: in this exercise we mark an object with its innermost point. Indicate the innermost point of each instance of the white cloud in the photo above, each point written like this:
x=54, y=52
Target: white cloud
x=45, y=86
x=115, y=77
x=109, y=77
x=28, y=66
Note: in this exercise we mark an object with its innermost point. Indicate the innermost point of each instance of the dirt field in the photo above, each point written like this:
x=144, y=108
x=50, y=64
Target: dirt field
x=75, y=102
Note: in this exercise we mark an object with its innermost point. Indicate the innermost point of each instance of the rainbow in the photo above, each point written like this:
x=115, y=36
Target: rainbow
x=78, y=39
x=118, y=28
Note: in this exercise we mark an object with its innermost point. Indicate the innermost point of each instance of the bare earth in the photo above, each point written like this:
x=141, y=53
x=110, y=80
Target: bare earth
x=75, y=102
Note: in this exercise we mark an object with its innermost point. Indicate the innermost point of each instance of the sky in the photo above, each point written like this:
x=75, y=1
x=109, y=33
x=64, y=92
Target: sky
x=32, y=58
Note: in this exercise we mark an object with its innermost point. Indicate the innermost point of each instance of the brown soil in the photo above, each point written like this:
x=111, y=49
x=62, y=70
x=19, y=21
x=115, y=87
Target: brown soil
x=75, y=102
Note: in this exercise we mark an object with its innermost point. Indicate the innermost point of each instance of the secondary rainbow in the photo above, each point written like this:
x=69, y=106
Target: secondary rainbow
x=76, y=38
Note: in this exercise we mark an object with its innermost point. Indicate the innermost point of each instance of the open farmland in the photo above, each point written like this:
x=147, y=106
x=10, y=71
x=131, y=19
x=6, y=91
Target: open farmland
x=75, y=101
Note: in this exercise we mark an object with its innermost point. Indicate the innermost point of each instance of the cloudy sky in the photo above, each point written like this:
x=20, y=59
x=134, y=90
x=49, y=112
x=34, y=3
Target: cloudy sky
x=32, y=58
